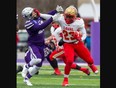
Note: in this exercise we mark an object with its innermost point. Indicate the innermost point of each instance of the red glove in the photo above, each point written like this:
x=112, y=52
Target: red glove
x=37, y=11
x=55, y=25
x=77, y=36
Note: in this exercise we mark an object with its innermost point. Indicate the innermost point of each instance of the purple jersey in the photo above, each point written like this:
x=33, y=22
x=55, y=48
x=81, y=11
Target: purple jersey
x=35, y=29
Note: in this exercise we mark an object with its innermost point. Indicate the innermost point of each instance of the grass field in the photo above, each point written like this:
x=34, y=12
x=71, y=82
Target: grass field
x=45, y=79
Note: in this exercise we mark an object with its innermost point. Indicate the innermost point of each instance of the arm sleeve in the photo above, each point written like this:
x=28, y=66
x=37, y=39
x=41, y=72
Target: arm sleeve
x=52, y=30
x=57, y=34
x=48, y=15
x=82, y=29
x=52, y=12
x=84, y=34
x=45, y=16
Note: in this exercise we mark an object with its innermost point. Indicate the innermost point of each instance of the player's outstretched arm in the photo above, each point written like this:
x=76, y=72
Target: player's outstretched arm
x=44, y=24
x=53, y=12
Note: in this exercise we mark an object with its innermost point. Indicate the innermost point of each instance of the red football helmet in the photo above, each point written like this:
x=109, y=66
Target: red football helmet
x=55, y=25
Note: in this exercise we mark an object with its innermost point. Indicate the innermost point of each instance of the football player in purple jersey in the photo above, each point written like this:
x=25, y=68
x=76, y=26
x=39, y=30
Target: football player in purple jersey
x=49, y=47
x=35, y=26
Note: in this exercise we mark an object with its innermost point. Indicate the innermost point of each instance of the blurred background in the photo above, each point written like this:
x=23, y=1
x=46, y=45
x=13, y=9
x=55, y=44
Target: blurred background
x=84, y=8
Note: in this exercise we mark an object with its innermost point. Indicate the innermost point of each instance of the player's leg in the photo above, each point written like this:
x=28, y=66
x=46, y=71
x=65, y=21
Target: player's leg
x=54, y=65
x=84, y=53
x=25, y=69
x=30, y=61
x=83, y=69
x=34, y=55
x=69, y=54
x=31, y=71
x=77, y=67
x=33, y=67
x=56, y=54
x=26, y=66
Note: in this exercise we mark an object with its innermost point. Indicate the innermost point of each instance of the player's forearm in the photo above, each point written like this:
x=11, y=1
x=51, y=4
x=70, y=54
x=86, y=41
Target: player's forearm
x=45, y=16
x=48, y=15
x=49, y=38
x=52, y=12
x=84, y=34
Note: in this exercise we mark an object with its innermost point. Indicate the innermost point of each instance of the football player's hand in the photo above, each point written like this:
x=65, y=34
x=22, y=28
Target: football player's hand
x=58, y=48
x=37, y=11
x=59, y=9
x=47, y=41
x=61, y=42
x=77, y=35
x=56, y=16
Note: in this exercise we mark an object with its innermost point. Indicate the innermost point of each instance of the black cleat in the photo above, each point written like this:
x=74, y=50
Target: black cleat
x=19, y=69
x=37, y=73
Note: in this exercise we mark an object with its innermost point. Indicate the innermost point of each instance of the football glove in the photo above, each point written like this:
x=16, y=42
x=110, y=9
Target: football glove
x=61, y=42
x=37, y=11
x=59, y=9
x=55, y=17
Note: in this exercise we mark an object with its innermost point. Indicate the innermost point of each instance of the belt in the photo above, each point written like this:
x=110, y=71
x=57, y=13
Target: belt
x=72, y=42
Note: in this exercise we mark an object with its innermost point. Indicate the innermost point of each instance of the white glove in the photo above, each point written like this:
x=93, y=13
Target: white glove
x=59, y=8
x=56, y=16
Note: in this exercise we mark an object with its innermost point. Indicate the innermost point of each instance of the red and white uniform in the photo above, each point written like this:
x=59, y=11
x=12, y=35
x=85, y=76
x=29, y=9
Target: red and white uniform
x=69, y=29
x=58, y=53
x=56, y=34
x=72, y=44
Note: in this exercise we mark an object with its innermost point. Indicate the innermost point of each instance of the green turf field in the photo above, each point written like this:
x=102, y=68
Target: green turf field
x=45, y=79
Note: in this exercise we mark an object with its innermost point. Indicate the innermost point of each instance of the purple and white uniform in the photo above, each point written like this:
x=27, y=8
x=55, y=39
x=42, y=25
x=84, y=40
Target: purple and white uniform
x=35, y=29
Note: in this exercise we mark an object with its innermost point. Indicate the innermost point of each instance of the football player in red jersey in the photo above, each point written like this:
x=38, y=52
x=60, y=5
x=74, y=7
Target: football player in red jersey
x=73, y=42
x=59, y=51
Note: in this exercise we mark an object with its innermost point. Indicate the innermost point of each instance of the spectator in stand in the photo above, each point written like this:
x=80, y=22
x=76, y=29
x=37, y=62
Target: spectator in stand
x=87, y=41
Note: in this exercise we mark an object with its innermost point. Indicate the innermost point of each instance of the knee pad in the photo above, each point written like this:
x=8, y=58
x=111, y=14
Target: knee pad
x=33, y=70
x=36, y=67
x=35, y=61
